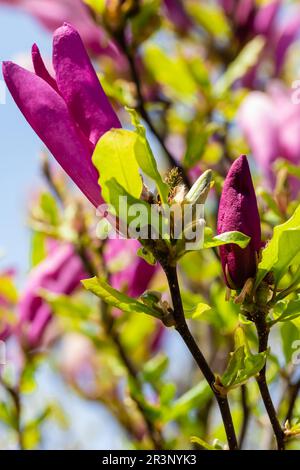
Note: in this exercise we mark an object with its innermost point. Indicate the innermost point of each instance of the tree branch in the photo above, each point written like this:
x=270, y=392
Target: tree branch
x=246, y=415
x=183, y=329
x=263, y=331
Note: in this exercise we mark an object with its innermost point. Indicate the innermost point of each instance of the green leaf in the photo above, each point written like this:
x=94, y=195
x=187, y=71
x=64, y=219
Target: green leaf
x=97, y=5
x=117, y=299
x=225, y=238
x=201, y=443
x=197, y=396
x=38, y=248
x=171, y=72
x=284, y=164
x=198, y=134
x=211, y=18
x=8, y=289
x=146, y=255
x=246, y=59
x=235, y=365
x=66, y=306
x=49, y=209
x=145, y=157
x=242, y=366
x=6, y=415
x=155, y=368
x=197, y=311
x=287, y=310
x=282, y=250
x=115, y=158
x=289, y=333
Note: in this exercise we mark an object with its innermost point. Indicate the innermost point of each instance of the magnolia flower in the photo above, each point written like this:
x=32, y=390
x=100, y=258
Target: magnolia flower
x=52, y=13
x=238, y=211
x=129, y=272
x=177, y=14
x=271, y=124
x=69, y=112
x=279, y=30
x=60, y=272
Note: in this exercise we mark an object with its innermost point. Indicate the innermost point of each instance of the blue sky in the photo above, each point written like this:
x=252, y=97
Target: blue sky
x=20, y=147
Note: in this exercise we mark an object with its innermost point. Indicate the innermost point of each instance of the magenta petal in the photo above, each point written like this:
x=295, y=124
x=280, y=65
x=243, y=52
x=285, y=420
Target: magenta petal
x=79, y=85
x=40, y=68
x=265, y=18
x=60, y=273
x=49, y=117
x=258, y=120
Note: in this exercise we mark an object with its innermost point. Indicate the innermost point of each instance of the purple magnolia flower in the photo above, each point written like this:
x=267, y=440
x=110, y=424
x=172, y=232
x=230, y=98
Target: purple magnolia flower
x=239, y=11
x=280, y=28
x=129, y=272
x=52, y=13
x=60, y=272
x=238, y=211
x=69, y=113
x=271, y=124
x=177, y=14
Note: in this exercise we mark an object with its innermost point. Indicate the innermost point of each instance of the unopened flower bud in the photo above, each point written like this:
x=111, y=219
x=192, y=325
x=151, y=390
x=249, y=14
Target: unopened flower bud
x=238, y=211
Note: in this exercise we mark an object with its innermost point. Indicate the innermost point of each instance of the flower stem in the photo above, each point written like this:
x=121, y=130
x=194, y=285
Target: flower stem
x=246, y=415
x=183, y=329
x=263, y=331
x=293, y=394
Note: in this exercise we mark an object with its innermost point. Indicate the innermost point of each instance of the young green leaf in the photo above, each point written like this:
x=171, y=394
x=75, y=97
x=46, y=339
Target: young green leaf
x=201, y=443
x=242, y=366
x=224, y=238
x=115, y=157
x=282, y=250
x=145, y=157
x=197, y=396
x=289, y=333
x=111, y=296
x=171, y=72
x=238, y=68
x=196, y=312
x=287, y=311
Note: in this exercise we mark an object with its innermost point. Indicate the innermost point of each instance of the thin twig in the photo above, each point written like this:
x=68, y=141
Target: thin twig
x=294, y=390
x=246, y=415
x=263, y=331
x=183, y=329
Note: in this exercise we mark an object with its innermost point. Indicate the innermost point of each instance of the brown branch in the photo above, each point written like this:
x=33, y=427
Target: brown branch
x=183, y=329
x=263, y=331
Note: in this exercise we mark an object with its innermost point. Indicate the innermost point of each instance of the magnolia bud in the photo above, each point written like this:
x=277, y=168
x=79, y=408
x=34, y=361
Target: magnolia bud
x=200, y=189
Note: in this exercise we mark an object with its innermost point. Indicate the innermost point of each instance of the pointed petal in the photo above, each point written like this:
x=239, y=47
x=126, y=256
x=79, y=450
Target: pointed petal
x=79, y=85
x=49, y=117
x=40, y=68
